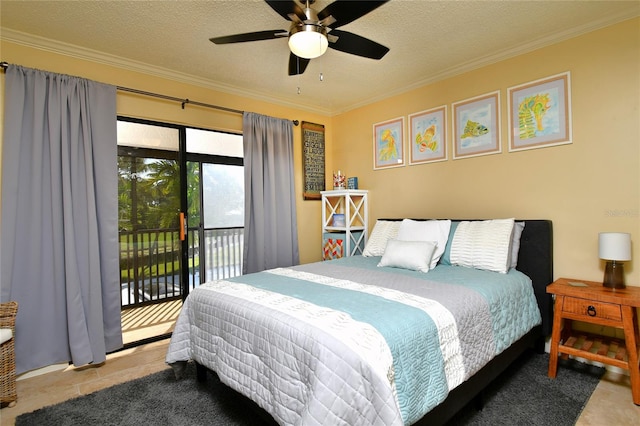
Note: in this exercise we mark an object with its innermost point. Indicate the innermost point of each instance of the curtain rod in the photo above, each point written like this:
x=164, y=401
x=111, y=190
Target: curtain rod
x=183, y=102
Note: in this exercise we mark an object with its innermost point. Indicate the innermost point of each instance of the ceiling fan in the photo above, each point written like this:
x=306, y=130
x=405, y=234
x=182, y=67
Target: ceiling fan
x=311, y=32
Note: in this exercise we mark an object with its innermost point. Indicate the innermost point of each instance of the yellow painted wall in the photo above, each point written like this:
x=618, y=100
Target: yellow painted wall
x=587, y=187
x=590, y=186
x=132, y=105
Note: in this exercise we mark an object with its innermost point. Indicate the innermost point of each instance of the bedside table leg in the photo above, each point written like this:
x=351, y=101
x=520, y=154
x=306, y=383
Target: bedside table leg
x=555, y=337
x=629, y=322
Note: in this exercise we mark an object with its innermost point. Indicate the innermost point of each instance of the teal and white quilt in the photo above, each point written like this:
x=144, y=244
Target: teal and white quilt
x=347, y=342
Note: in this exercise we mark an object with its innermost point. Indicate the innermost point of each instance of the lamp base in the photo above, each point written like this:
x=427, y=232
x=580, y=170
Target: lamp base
x=613, y=275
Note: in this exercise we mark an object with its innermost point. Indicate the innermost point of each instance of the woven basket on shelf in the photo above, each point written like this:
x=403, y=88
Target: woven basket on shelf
x=8, y=394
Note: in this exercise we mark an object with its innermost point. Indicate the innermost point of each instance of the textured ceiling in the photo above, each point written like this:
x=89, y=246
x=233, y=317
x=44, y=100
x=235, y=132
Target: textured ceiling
x=428, y=40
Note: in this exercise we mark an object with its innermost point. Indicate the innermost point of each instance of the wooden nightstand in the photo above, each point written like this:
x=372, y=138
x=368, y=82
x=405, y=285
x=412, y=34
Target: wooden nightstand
x=590, y=302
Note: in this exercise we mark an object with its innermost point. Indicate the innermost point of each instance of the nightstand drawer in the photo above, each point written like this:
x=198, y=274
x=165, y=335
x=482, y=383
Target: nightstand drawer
x=592, y=309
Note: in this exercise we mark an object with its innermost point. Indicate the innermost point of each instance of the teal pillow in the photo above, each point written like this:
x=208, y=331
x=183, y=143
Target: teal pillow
x=446, y=256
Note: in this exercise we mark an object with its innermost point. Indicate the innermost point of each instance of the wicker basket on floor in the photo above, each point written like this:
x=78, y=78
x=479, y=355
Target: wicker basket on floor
x=8, y=394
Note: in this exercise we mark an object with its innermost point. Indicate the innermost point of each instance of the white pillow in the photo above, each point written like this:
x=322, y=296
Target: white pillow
x=518, y=227
x=382, y=232
x=414, y=255
x=436, y=231
x=483, y=245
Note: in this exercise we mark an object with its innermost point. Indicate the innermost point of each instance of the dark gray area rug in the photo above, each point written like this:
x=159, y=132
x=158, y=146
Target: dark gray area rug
x=524, y=395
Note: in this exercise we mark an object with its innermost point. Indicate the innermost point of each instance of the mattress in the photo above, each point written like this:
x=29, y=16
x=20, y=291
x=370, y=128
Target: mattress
x=347, y=342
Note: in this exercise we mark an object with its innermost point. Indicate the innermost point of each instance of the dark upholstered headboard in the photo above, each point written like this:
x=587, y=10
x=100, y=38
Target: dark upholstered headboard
x=535, y=259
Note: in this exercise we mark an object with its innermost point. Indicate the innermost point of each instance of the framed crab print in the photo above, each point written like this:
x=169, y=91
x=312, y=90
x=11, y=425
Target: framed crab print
x=388, y=144
x=476, y=126
x=540, y=113
x=428, y=136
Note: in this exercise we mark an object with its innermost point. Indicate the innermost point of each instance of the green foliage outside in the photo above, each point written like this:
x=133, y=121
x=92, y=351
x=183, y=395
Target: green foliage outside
x=149, y=193
x=149, y=199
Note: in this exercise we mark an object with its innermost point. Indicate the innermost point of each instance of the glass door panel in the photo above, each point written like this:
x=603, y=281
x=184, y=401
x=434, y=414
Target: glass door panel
x=223, y=214
x=216, y=218
x=149, y=205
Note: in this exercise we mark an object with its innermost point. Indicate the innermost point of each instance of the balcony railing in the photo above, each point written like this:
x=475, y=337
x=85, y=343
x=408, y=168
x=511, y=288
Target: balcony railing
x=150, y=262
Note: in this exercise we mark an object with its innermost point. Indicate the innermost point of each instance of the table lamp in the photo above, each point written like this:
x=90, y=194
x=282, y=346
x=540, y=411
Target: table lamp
x=615, y=248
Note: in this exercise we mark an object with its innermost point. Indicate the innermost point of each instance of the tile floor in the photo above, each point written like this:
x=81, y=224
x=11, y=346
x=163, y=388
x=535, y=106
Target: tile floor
x=57, y=386
x=610, y=404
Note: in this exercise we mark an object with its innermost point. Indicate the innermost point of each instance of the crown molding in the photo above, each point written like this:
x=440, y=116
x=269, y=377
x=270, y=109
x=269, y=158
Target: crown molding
x=501, y=56
x=78, y=52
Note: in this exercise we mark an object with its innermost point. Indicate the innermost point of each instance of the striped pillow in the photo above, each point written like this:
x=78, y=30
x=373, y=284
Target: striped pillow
x=383, y=231
x=483, y=245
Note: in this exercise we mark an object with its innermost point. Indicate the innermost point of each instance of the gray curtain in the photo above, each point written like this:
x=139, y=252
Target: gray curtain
x=59, y=217
x=270, y=233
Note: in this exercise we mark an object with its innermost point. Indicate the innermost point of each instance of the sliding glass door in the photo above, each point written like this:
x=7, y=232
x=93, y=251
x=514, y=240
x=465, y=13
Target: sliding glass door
x=181, y=212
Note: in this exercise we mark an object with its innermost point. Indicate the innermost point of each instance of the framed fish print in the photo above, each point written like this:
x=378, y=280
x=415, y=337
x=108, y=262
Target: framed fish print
x=428, y=136
x=540, y=113
x=388, y=144
x=476, y=126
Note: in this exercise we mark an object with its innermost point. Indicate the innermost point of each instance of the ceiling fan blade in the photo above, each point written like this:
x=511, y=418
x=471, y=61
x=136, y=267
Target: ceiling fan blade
x=284, y=8
x=345, y=11
x=256, y=36
x=297, y=65
x=356, y=45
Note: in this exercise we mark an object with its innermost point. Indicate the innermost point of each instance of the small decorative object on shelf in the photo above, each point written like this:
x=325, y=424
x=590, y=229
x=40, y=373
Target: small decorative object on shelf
x=352, y=183
x=339, y=180
x=338, y=220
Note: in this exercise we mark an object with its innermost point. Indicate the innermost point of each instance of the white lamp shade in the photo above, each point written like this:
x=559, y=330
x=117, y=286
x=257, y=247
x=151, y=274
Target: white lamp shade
x=308, y=41
x=614, y=246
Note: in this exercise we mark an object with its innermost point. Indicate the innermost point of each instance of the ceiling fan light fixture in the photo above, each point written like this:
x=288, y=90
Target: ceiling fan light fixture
x=308, y=41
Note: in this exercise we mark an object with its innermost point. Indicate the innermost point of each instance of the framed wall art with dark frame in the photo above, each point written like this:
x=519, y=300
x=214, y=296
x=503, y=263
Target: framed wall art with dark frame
x=388, y=144
x=428, y=136
x=540, y=113
x=313, y=160
x=476, y=126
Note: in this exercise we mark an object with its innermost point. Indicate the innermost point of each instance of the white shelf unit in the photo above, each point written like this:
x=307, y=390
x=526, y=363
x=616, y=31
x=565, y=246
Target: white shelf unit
x=353, y=204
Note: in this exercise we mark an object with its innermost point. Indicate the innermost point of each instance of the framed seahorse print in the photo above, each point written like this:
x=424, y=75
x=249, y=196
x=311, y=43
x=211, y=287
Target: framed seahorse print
x=388, y=144
x=540, y=113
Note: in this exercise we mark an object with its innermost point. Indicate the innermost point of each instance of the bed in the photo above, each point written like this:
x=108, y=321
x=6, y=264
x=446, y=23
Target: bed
x=350, y=342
